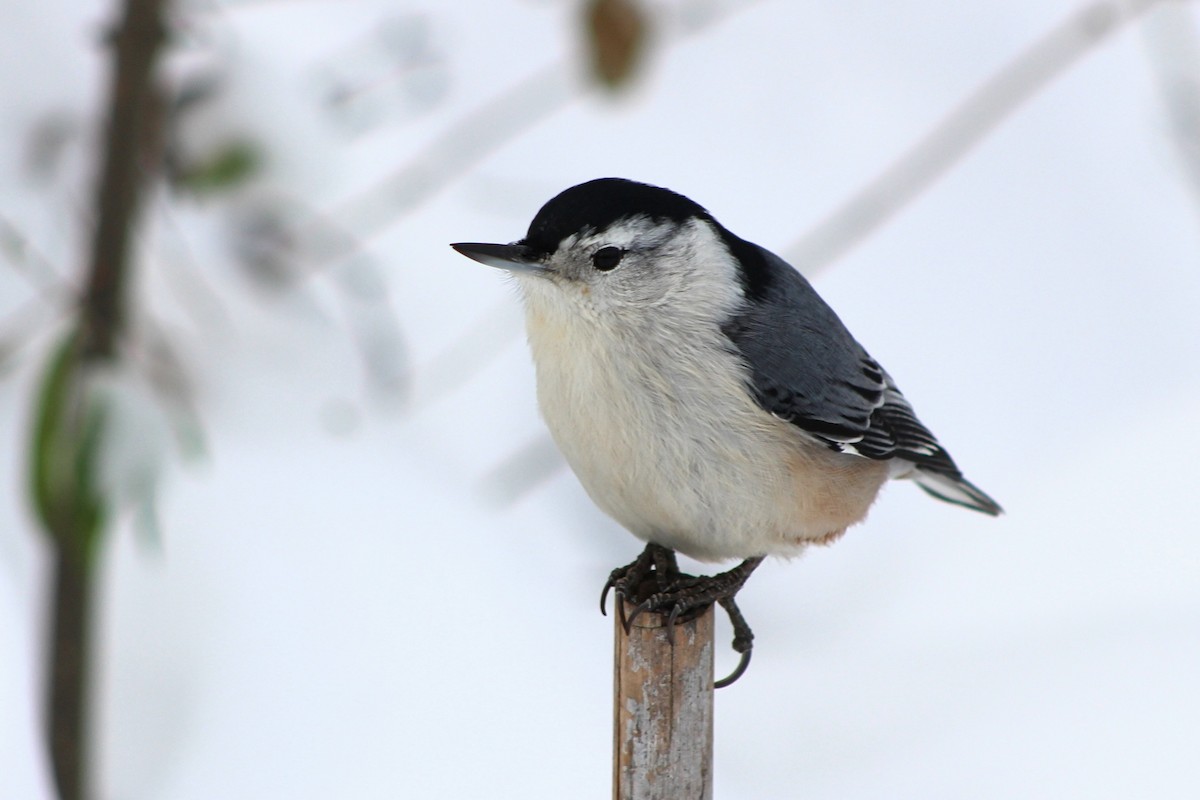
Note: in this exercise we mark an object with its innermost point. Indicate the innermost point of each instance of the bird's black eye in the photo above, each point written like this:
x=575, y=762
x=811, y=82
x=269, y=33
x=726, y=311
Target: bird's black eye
x=607, y=258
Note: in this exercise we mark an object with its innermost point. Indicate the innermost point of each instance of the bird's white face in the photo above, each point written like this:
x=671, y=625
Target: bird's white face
x=640, y=269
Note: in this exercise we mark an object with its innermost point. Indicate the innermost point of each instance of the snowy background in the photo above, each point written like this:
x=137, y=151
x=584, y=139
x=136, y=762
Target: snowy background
x=373, y=584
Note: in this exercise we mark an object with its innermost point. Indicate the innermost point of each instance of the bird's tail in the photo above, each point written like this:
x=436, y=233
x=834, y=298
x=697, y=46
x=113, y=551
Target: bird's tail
x=957, y=490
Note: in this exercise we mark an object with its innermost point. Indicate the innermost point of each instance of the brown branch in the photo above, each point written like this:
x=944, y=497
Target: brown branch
x=102, y=313
x=69, y=667
x=136, y=46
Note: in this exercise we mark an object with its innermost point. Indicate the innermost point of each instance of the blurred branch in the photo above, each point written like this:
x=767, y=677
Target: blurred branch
x=961, y=130
x=69, y=669
x=537, y=460
x=65, y=479
x=469, y=354
x=129, y=126
x=461, y=146
x=55, y=295
x=22, y=326
x=29, y=262
x=453, y=153
x=1173, y=47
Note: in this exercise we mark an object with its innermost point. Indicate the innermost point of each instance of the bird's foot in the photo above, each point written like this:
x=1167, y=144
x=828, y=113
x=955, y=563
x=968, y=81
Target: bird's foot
x=690, y=593
x=652, y=584
x=652, y=571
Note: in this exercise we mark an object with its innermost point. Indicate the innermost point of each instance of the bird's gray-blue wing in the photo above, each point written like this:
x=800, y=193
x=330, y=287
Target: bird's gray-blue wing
x=805, y=367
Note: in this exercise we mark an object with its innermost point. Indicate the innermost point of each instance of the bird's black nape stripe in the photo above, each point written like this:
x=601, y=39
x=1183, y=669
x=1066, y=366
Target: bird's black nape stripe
x=598, y=204
x=754, y=273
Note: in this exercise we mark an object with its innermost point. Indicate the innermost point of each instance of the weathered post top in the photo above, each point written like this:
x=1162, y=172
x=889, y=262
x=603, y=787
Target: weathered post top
x=663, y=709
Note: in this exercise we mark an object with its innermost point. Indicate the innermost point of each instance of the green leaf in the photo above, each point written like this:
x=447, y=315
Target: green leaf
x=64, y=465
x=232, y=165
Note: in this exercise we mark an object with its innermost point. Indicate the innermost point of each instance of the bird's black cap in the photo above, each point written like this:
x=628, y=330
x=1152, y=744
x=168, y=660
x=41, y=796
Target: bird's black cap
x=599, y=203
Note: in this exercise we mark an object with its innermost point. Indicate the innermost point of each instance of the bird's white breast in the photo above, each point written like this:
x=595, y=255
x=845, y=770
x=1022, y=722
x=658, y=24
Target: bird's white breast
x=658, y=424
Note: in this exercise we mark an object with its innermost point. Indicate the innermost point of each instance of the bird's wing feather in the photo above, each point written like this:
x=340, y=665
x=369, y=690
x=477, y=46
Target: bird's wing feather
x=805, y=367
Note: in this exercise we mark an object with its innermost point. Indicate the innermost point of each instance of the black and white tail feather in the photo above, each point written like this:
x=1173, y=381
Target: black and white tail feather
x=896, y=434
x=806, y=368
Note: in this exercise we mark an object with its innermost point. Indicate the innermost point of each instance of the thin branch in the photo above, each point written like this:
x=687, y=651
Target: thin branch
x=467, y=142
x=452, y=154
x=30, y=262
x=961, y=130
x=24, y=325
x=1173, y=48
x=136, y=46
x=54, y=298
x=534, y=462
x=102, y=313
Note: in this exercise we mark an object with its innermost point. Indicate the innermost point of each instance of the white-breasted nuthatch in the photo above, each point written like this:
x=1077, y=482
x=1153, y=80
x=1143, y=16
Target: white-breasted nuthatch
x=704, y=394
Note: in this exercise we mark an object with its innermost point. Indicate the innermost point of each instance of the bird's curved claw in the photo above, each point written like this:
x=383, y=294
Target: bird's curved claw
x=637, y=612
x=616, y=586
x=655, y=602
x=608, y=585
x=655, y=561
x=737, y=672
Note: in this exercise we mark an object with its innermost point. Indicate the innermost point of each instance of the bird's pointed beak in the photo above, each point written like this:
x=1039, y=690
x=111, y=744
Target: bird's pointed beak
x=515, y=257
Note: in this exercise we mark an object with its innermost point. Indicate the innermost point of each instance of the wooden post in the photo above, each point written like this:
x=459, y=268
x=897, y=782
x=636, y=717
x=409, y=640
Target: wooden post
x=663, y=709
